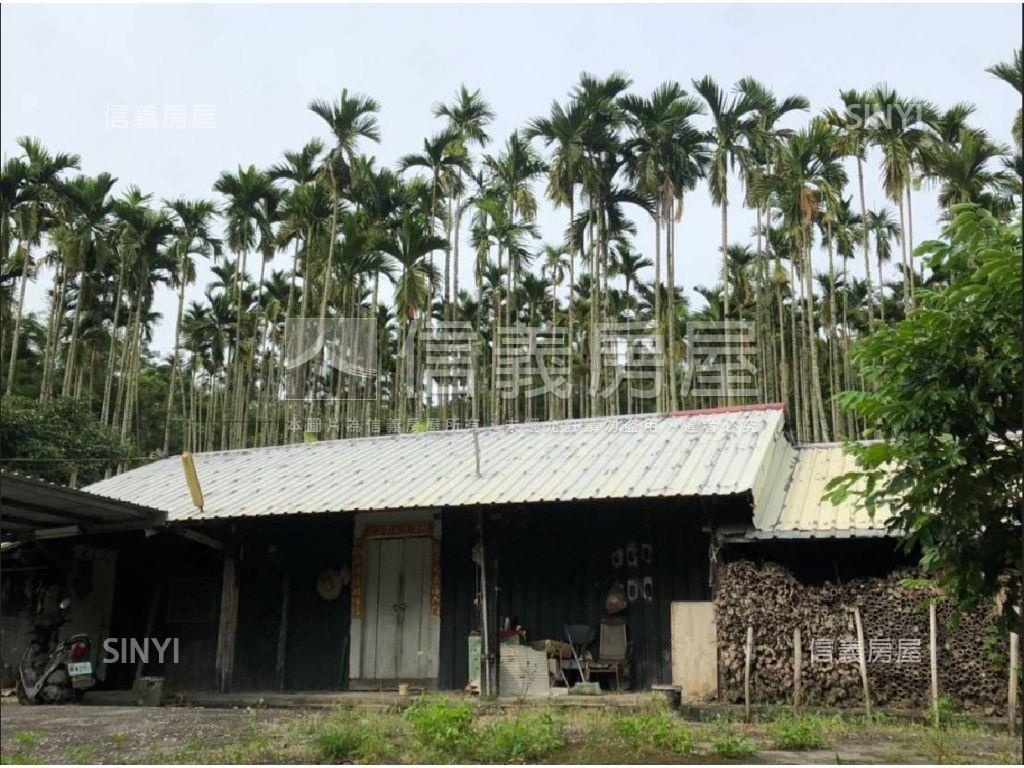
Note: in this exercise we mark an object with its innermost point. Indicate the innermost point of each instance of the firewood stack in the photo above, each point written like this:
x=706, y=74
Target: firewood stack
x=972, y=658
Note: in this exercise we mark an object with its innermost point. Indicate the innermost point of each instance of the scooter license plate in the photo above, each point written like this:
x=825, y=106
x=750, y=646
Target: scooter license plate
x=77, y=668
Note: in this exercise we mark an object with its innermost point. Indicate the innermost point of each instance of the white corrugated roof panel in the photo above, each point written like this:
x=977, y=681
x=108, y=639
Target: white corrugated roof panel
x=804, y=514
x=700, y=453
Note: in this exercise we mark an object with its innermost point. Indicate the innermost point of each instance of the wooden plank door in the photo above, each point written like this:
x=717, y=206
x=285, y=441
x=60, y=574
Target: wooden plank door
x=396, y=636
x=695, y=649
x=413, y=634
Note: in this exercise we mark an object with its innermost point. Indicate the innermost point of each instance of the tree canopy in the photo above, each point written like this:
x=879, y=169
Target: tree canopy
x=60, y=441
x=943, y=397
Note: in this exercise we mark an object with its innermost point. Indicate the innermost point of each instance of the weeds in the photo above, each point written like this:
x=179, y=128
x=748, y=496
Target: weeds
x=800, y=733
x=658, y=729
x=443, y=727
x=940, y=747
x=731, y=744
x=946, y=716
x=80, y=753
x=189, y=752
x=525, y=738
x=28, y=739
x=16, y=758
x=338, y=742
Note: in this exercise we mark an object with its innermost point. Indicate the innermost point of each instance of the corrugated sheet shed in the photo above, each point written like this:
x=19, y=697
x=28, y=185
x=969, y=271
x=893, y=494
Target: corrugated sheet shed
x=709, y=453
x=803, y=514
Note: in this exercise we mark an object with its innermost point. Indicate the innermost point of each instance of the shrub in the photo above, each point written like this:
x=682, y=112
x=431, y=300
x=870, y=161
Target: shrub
x=798, y=733
x=526, y=738
x=443, y=726
x=658, y=729
x=732, y=745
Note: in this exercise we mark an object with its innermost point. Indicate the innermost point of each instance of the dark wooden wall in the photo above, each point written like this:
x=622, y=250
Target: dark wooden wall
x=458, y=594
x=316, y=634
x=555, y=567
x=316, y=630
x=146, y=568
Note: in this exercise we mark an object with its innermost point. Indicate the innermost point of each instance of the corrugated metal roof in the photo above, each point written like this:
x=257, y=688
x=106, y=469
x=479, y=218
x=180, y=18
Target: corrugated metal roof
x=803, y=513
x=33, y=508
x=709, y=453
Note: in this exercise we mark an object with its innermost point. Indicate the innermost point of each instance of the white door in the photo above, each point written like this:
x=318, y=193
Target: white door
x=396, y=625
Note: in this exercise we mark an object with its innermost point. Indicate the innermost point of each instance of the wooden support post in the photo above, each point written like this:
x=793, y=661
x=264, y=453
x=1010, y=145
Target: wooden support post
x=227, y=630
x=1011, y=694
x=797, y=667
x=748, y=655
x=862, y=660
x=933, y=658
x=485, y=617
x=282, y=630
x=494, y=618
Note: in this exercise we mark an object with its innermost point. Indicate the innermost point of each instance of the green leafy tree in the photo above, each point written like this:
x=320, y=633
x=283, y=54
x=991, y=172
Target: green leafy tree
x=59, y=440
x=943, y=399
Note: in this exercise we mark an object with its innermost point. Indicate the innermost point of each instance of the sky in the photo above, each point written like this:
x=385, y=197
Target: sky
x=168, y=97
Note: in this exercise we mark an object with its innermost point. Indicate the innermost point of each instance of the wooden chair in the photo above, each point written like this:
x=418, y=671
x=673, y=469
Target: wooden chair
x=612, y=651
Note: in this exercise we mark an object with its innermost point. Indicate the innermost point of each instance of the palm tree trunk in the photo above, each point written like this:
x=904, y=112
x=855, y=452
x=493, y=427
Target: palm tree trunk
x=595, y=298
x=297, y=400
x=256, y=349
x=109, y=379
x=864, y=243
x=174, y=356
x=670, y=268
x=447, y=264
x=881, y=290
x=832, y=332
x=122, y=381
x=17, y=317
x=851, y=426
x=725, y=293
x=237, y=426
x=53, y=334
x=456, y=227
x=799, y=380
x=658, y=336
x=69, y=362
x=910, y=243
x=132, y=374
x=820, y=425
x=783, y=362
x=906, y=257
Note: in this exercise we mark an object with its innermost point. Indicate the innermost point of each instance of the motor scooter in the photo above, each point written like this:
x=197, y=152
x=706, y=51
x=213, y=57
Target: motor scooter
x=54, y=671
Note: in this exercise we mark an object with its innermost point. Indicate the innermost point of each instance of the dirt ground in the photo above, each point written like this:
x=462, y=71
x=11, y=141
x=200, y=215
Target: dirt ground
x=109, y=734
x=91, y=734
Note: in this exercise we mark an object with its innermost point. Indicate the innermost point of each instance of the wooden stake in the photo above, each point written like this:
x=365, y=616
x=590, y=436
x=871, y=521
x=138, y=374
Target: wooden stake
x=933, y=652
x=797, y=667
x=863, y=662
x=1011, y=694
x=749, y=652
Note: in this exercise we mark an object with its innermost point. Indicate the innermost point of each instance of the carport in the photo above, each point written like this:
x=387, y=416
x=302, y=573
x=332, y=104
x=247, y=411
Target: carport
x=33, y=509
